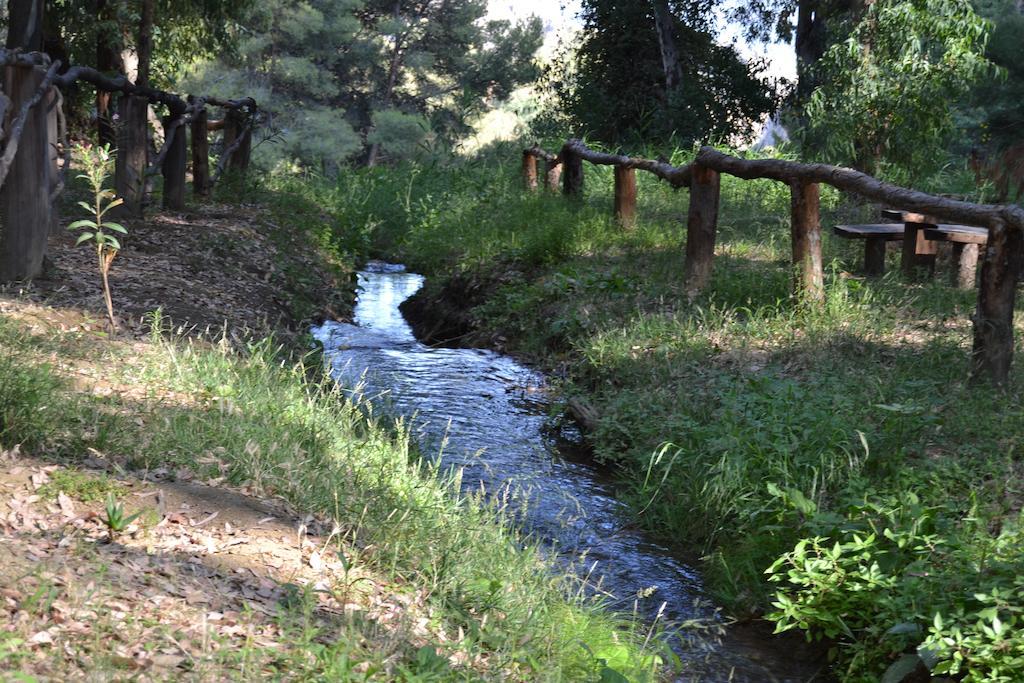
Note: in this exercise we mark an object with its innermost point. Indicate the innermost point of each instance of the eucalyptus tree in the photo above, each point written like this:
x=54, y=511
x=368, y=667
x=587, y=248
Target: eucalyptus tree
x=888, y=92
x=653, y=71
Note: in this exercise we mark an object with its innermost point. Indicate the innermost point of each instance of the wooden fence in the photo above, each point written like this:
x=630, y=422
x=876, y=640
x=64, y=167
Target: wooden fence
x=992, y=352
x=33, y=138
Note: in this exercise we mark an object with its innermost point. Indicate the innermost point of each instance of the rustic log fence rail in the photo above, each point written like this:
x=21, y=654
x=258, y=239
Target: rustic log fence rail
x=1001, y=267
x=33, y=139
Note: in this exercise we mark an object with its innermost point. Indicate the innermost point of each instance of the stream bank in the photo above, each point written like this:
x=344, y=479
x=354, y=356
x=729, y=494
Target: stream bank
x=491, y=413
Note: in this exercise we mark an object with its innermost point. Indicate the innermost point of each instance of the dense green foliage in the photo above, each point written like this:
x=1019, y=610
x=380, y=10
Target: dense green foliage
x=841, y=446
x=888, y=91
x=612, y=85
x=368, y=78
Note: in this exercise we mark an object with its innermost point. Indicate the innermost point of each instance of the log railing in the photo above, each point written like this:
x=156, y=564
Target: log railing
x=33, y=128
x=1001, y=268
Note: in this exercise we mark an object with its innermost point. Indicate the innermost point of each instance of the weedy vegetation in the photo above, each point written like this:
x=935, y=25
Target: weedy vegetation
x=832, y=463
x=266, y=422
x=98, y=163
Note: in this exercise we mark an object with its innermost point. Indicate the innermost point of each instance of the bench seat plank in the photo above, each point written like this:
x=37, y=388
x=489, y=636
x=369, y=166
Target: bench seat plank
x=875, y=235
x=964, y=234
x=888, y=231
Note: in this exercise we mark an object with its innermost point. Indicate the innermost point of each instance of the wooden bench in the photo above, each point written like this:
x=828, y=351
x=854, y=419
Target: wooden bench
x=967, y=242
x=875, y=235
x=918, y=250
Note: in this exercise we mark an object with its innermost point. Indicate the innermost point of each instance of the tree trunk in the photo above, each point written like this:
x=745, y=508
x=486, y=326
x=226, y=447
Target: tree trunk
x=25, y=25
x=809, y=44
x=664, y=23
x=389, y=86
x=201, y=154
x=145, y=46
x=809, y=276
x=132, y=145
x=174, y=166
x=993, y=320
x=701, y=227
x=24, y=197
x=625, y=196
x=108, y=62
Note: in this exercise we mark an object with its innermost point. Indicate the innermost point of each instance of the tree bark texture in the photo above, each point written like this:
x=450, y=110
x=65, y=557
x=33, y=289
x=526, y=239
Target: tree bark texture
x=234, y=128
x=664, y=24
x=809, y=280
x=25, y=196
x=572, y=173
x=625, y=196
x=174, y=167
x=108, y=61
x=145, y=46
x=676, y=176
x=993, y=320
x=132, y=143
x=25, y=25
x=52, y=102
x=809, y=45
x=701, y=228
x=201, y=154
x=529, y=170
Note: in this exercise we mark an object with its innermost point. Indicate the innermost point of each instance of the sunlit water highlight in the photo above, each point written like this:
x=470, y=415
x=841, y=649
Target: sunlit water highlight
x=491, y=415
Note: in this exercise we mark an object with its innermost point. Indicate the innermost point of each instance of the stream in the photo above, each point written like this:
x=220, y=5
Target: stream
x=491, y=416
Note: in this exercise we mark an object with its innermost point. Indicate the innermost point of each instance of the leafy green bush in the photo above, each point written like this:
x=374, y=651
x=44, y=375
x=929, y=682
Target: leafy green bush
x=903, y=588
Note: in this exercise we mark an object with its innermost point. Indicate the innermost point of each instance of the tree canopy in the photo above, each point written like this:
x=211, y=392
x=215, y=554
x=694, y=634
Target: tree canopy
x=654, y=71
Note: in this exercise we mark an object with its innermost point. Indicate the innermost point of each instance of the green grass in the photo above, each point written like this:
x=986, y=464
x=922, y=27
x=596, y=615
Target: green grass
x=263, y=422
x=743, y=421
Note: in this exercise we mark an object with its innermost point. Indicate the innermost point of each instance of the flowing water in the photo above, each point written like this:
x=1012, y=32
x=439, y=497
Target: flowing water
x=491, y=415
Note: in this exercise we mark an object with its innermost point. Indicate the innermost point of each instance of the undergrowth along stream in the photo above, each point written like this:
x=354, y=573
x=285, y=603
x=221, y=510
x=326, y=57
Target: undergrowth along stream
x=491, y=606
x=839, y=448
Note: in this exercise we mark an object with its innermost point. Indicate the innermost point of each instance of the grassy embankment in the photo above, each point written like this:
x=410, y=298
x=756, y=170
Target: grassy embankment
x=840, y=445
x=465, y=596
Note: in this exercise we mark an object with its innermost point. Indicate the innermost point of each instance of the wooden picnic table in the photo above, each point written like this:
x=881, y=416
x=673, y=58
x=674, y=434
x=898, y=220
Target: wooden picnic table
x=921, y=237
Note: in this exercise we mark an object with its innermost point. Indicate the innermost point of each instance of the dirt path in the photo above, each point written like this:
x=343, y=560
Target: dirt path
x=204, y=578
x=211, y=268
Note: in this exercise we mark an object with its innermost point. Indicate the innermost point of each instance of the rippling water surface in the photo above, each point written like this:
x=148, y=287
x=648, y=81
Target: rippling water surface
x=490, y=414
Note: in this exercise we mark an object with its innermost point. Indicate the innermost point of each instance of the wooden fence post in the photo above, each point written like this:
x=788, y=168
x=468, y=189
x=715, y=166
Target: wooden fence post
x=572, y=176
x=235, y=126
x=805, y=227
x=625, y=196
x=529, y=171
x=993, y=320
x=701, y=226
x=174, y=166
x=201, y=153
x=52, y=102
x=552, y=174
x=25, y=196
x=130, y=168
x=965, y=265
